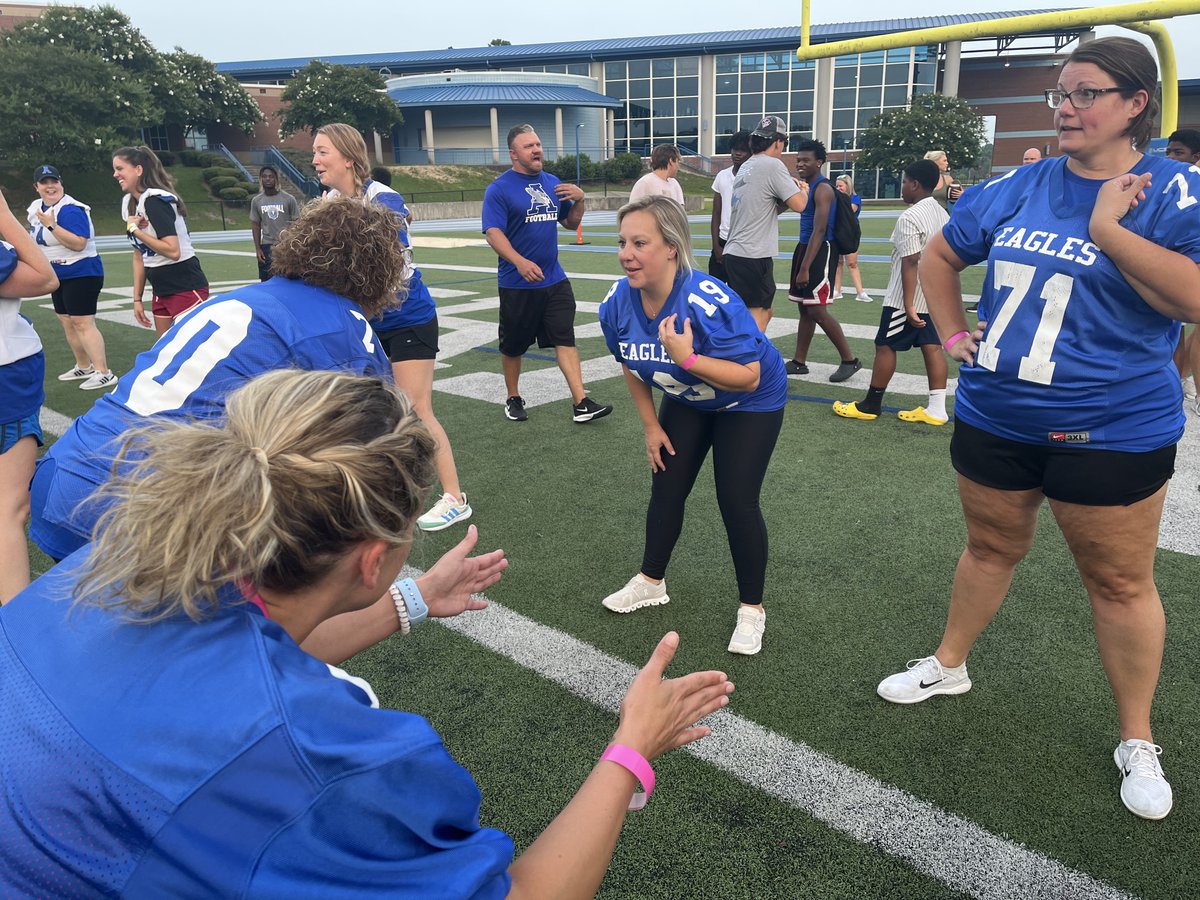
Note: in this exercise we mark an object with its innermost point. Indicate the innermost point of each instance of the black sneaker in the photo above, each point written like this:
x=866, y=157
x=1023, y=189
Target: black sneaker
x=795, y=368
x=845, y=370
x=514, y=409
x=588, y=409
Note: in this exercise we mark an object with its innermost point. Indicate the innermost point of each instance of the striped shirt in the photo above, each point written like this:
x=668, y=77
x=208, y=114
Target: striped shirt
x=914, y=228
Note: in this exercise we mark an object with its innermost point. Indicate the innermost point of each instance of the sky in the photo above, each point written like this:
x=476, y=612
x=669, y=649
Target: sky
x=229, y=30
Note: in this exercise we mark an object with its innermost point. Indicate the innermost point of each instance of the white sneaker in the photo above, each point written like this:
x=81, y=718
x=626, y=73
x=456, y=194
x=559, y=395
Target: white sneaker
x=863, y=296
x=1144, y=790
x=638, y=592
x=924, y=678
x=446, y=512
x=1189, y=388
x=99, y=381
x=78, y=373
x=748, y=635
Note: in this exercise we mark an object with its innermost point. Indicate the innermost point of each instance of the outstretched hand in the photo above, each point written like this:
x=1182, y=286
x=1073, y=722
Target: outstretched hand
x=659, y=714
x=448, y=585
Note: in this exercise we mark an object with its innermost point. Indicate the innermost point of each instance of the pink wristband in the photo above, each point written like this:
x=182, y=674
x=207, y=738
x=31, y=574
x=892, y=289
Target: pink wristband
x=954, y=339
x=689, y=362
x=630, y=759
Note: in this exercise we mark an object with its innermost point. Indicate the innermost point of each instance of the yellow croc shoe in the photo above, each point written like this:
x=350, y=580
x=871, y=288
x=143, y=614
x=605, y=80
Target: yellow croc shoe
x=851, y=411
x=918, y=415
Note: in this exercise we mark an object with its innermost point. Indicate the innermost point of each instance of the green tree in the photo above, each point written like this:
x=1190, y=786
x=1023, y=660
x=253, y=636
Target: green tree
x=67, y=107
x=933, y=122
x=186, y=89
x=324, y=92
x=499, y=42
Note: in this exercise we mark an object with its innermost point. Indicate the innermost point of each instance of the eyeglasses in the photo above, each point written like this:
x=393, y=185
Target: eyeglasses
x=1081, y=98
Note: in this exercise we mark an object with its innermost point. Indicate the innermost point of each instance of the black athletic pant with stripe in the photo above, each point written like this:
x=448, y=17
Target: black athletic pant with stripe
x=742, y=443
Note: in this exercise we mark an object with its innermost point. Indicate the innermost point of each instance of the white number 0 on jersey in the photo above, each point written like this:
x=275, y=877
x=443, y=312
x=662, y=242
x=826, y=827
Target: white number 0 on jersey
x=1037, y=365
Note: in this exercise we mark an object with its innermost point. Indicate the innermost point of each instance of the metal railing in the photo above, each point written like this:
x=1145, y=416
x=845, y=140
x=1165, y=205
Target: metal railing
x=237, y=163
x=311, y=186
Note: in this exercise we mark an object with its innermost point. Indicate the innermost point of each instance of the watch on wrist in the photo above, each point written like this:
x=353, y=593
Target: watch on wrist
x=51, y=227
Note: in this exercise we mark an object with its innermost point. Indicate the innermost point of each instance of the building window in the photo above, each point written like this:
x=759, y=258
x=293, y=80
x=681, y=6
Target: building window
x=155, y=137
x=662, y=103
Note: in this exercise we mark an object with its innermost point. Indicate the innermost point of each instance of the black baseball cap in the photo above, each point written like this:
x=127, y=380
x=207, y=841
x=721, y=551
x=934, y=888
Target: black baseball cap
x=41, y=173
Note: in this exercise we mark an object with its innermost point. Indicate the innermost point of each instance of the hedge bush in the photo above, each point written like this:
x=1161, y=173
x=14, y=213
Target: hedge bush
x=221, y=183
x=167, y=157
x=221, y=172
x=623, y=167
x=234, y=196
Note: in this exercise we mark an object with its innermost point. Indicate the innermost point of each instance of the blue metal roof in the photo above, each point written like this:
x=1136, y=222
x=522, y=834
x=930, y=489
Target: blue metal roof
x=609, y=48
x=429, y=95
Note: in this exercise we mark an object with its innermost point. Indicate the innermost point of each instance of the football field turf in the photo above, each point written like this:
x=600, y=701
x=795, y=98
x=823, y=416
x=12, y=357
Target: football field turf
x=811, y=786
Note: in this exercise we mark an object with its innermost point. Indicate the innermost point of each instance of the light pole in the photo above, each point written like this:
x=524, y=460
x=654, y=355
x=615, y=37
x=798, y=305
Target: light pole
x=577, y=161
x=578, y=180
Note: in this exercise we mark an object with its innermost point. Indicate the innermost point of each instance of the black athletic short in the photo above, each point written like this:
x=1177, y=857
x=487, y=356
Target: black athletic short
x=716, y=268
x=752, y=279
x=896, y=332
x=77, y=296
x=1066, y=472
x=546, y=315
x=817, y=289
x=411, y=342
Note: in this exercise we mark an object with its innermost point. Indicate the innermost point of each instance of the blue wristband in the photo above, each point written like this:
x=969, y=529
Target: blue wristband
x=415, y=604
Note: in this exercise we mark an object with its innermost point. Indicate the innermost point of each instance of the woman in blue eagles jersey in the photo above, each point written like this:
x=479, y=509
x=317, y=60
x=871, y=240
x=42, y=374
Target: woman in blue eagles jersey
x=687, y=334
x=1068, y=392
x=409, y=330
x=166, y=735
x=24, y=272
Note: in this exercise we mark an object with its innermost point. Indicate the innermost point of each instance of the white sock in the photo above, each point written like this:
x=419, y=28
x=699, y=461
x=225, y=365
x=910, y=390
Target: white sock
x=937, y=404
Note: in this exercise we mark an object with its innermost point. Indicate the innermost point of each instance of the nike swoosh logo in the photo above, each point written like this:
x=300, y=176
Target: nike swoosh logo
x=1128, y=771
x=930, y=684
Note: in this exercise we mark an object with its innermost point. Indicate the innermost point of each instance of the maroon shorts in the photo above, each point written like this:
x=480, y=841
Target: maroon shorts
x=177, y=304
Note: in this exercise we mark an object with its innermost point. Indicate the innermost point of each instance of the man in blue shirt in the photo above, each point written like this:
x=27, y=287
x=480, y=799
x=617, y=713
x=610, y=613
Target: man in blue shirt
x=520, y=212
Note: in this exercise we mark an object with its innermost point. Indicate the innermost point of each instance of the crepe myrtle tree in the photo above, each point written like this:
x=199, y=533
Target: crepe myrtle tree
x=184, y=89
x=898, y=137
x=322, y=93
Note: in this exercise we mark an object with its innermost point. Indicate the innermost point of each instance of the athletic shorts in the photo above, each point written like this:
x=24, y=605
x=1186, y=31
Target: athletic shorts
x=546, y=315
x=11, y=432
x=264, y=267
x=1066, y=472
x=897, y=333
x=752, y=279
x=716, y=268
x=77, y=296
x=177, y=304
x=411, y=342
x=818, y=289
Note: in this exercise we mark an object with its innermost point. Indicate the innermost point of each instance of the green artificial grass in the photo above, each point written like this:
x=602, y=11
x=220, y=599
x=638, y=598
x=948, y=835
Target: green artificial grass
x=865, y=531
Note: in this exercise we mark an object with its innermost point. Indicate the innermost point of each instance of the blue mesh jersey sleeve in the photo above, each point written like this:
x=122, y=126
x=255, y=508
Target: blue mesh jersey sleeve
x=722, y=327
x=8, y=261
x=1071, y=351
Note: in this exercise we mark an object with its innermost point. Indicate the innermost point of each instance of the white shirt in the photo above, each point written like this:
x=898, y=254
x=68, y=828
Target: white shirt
x=723, y=185
x=650, y=185
x=912, y=232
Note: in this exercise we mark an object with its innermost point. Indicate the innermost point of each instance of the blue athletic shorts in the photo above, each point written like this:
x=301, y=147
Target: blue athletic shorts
x=11, y=432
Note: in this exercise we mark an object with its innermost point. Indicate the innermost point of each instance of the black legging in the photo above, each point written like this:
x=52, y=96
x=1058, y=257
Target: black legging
x=742, y=443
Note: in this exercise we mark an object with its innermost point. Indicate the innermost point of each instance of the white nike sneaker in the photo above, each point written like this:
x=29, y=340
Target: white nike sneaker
x=924, y=678
x=1144, y=789
x=748, y=635
x=638, y=592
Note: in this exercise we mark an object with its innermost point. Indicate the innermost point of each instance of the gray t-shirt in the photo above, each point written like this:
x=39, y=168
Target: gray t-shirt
x=272, y=214
x=761, y=188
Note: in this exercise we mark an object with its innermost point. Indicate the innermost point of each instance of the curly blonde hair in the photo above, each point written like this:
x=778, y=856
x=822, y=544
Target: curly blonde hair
x=346, y=246
x=306, y=466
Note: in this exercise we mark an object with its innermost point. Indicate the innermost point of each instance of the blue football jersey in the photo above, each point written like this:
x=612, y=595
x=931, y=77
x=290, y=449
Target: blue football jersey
x=1072, y=353
x=722, y=327
x=418, y=306
x=215, y=348
x=216, y=759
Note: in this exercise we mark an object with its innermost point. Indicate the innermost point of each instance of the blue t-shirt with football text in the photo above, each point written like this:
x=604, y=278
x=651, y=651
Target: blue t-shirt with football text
x=1071, y=353
x=527, y=211
x=722, y=328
